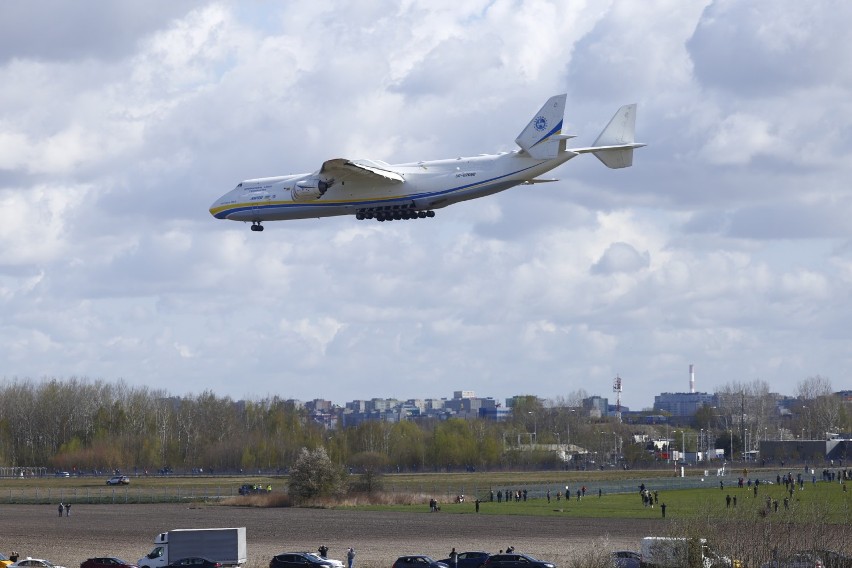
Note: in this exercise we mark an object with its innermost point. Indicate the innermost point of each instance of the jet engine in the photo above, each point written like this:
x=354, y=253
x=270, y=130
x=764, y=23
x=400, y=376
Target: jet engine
x=310, y=189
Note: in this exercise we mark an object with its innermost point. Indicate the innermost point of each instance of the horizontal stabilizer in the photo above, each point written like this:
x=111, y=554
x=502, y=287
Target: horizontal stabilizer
x=615, y=157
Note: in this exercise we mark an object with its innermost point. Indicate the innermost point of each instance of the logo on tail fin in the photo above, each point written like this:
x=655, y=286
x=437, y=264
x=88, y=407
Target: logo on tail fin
x=540, y=123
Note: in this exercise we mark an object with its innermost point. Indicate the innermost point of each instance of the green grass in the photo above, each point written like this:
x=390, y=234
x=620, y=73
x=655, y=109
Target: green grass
x=681, y=503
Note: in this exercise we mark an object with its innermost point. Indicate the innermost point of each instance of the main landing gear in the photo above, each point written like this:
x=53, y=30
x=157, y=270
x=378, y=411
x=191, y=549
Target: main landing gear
x=392, y=213
x=256, y=226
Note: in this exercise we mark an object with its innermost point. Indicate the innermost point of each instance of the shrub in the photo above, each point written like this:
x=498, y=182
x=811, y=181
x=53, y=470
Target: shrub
x=314, y=475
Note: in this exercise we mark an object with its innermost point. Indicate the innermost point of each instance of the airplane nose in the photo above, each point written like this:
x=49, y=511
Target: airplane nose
x=216, y=209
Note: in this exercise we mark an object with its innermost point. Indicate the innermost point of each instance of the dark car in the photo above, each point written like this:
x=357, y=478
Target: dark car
x=299, y=560
x=626, y=559
x=515, y=560
x=468, y=560
x=252, y=489
x=107, y=562
x=195, y=562
x=418, y=561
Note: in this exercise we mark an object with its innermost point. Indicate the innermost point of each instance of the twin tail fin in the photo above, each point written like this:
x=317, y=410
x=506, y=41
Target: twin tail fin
x=542, y=138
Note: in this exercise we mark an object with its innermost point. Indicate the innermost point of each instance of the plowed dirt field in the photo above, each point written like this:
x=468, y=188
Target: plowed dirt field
x=128, y=531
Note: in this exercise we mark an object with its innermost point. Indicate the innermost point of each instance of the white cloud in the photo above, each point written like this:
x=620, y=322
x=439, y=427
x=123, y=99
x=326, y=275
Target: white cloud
x=723, y=242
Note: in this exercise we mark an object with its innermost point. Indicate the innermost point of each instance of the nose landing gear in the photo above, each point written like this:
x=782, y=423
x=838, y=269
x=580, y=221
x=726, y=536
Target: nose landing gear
x=256, y=226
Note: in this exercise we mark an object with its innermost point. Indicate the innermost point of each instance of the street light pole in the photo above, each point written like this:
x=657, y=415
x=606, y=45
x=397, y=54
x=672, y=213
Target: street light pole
x=535, y=427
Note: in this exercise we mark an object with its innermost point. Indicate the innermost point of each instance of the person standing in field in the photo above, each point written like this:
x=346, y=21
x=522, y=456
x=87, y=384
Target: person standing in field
x=350, y=557
x=60, y=509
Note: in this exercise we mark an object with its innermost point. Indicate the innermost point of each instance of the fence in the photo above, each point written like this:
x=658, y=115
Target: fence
x=607, y=487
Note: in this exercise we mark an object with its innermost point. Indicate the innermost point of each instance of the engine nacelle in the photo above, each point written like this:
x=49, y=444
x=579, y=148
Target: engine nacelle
x=310, y=189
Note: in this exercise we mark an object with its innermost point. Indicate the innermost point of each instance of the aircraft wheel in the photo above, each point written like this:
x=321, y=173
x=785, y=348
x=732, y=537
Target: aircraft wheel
x=421, y=214
x=430, y=213
x=359, y=216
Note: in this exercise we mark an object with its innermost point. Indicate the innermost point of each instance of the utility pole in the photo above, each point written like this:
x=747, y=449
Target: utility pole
x=742, y=422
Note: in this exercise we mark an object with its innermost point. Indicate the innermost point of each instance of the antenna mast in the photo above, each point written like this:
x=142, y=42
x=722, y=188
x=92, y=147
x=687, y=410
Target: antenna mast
x=616, y=388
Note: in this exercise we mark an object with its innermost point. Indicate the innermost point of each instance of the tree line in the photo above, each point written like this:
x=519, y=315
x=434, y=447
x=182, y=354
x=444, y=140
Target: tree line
x=83, y=425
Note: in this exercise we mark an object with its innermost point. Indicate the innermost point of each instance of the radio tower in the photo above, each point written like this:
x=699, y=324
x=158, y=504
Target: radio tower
x=616, y=388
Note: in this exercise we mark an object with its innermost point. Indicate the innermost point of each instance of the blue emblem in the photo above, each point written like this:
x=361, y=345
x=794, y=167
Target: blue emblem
x=540, y=123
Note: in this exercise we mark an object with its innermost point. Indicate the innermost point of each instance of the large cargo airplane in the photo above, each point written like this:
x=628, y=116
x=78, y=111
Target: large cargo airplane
x=371, y=189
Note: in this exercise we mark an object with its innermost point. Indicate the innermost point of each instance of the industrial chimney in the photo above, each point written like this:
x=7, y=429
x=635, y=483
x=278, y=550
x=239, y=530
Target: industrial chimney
x=691, y=378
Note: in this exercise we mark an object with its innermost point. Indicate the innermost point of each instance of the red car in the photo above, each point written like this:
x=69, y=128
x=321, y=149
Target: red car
x=107, y=562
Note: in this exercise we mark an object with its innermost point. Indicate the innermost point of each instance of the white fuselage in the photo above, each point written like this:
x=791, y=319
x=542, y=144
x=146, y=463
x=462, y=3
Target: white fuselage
x=427, y=185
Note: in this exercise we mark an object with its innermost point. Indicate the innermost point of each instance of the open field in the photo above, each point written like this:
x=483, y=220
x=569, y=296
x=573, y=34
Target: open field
x=557, y=531
x=378, y=537
x=441, y=485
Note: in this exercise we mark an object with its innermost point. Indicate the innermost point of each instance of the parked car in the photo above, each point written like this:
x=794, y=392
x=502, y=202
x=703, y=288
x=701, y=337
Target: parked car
x=626, y=559
x=35, y=563
x=248, y=489
x=4, y=560
x=418, y=561
x=300, y=560
x=468, y=559
x=797, y=560
x=334, y=563
x=194, y=562
x=62, y=474
x=515, y=560
x=107, y=562
x=118, y=480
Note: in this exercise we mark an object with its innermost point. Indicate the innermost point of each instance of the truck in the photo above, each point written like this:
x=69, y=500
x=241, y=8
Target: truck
x=677, y=552
x=226, y=546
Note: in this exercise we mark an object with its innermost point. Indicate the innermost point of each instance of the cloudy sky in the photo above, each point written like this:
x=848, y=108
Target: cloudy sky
x=727, y=245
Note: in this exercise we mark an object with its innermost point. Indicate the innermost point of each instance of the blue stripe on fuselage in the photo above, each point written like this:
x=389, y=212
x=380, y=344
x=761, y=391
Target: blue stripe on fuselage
x=260, y=207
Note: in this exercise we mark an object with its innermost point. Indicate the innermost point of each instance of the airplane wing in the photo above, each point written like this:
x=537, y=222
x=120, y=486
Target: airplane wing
x=367, y=169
